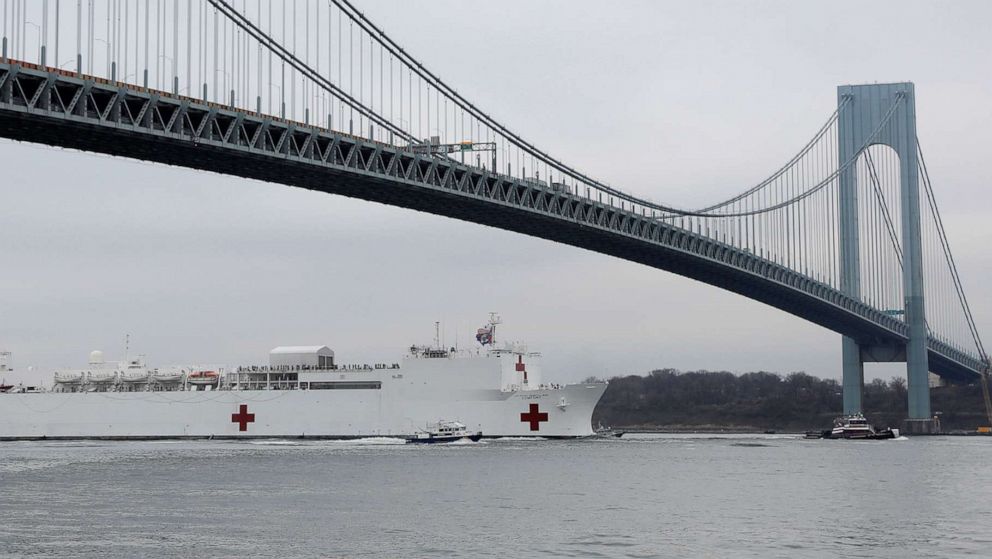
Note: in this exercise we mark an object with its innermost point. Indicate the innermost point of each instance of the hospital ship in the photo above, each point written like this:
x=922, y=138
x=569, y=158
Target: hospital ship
x=303, y=392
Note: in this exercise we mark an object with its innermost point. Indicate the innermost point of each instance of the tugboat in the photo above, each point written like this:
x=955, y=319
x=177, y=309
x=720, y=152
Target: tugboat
x=444, y=432
x=853, y=427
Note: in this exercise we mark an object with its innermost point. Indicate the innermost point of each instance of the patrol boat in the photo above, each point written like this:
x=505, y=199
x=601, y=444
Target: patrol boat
x=444, y=432
x=303, y=392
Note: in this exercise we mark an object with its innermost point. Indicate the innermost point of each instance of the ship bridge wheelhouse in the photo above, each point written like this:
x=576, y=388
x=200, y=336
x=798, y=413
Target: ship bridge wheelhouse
x=302, y=357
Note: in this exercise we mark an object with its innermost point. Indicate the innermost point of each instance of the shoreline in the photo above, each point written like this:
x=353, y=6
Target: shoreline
x=739, y=430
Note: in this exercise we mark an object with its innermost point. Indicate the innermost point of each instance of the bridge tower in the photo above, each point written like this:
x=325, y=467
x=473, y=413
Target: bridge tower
x=863, y=109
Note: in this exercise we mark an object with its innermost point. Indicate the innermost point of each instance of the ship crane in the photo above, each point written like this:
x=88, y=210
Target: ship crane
x=433, y=146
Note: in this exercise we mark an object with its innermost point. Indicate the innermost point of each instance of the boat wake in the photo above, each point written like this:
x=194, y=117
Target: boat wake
x=364, y=441
x=373, y=441
x=464, y=441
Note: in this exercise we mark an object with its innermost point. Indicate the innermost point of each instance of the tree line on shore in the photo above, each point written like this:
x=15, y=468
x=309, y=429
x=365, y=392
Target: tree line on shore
x=668, y=398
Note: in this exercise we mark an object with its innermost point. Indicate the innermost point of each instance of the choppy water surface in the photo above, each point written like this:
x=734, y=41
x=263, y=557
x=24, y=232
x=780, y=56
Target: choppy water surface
x=640, y=496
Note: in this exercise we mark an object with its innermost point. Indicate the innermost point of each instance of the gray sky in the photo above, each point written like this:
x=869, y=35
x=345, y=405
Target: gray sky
x=682, y=102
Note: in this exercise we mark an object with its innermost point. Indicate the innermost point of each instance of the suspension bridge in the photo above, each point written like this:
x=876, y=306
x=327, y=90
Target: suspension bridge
x=845, y=234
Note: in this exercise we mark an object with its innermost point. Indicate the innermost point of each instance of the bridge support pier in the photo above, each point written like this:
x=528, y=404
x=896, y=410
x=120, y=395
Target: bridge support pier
x=854, y=376
x=863, y=109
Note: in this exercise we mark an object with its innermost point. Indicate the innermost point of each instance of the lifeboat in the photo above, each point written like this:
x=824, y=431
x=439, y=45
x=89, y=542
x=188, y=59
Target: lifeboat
x=203, y=377
x=167, y=376
x=102, y=377
x=134, y=376
x=69, y=377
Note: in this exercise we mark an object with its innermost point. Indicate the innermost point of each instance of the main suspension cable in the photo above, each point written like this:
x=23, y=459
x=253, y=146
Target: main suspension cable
x=945, y=245
x=788, y=165
x=813, y=190
x=249, y=27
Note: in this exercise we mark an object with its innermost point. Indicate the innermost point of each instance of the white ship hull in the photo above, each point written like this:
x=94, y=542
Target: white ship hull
x=290, y=413
x=486, y=392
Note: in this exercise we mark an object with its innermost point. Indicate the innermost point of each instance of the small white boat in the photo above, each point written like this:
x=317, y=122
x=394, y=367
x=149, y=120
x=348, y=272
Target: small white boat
x=444, y=432
x=608, y=432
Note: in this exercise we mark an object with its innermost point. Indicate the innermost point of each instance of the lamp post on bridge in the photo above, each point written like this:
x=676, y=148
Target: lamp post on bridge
x=175, y=78
x=41, y=48
x=112, y=74
x=282, y=103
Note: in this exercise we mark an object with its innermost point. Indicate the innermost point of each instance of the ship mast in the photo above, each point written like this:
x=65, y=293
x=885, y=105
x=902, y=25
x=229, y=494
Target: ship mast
x=494, y=319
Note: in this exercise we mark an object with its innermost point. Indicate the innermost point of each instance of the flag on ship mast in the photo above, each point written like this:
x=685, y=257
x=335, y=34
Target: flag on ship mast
x=484, y=335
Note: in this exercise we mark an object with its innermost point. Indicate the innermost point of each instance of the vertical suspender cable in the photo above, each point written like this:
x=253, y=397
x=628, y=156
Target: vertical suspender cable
x=175, y=47
x=58, y=32
x=90, y=36
x=147, y=34
x=4, y=34
x=42, y=58
x=215, y=81
x=189, y=48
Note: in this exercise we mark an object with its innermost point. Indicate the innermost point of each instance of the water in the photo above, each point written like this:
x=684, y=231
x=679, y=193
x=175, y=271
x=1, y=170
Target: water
x=640, y=496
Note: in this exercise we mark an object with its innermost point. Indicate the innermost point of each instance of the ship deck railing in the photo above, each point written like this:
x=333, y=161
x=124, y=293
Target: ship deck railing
x=314, y=368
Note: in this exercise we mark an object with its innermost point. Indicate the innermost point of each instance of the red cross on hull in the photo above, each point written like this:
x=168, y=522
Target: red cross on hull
x=243, y=418
x=535, y=416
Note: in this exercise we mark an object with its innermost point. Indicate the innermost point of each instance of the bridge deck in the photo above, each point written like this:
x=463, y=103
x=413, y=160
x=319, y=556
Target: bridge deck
x=57, y=108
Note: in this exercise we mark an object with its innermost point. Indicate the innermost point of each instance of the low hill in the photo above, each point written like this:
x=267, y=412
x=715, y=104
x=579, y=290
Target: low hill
x=671, y=399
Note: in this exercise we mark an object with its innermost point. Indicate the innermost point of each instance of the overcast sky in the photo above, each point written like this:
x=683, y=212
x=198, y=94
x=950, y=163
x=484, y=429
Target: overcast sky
x=682, y=102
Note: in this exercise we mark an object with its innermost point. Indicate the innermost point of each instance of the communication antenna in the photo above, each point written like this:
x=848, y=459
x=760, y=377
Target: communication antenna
x=437, y=334
x=5, y=361
x=127, y=345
